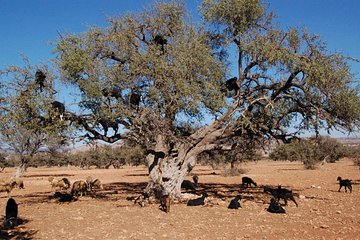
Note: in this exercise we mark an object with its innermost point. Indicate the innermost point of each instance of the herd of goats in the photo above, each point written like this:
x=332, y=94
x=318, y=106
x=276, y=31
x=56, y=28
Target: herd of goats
x=80, y=188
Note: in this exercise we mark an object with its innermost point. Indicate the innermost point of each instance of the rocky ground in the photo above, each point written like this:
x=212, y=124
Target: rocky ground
x=323, y=212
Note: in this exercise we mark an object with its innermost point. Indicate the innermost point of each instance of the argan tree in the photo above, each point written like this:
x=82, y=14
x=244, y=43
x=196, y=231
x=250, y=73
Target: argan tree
x=28, y=120
x=157, y=79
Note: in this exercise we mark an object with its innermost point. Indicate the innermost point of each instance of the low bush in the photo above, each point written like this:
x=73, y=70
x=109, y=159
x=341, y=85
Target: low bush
x=310, y=151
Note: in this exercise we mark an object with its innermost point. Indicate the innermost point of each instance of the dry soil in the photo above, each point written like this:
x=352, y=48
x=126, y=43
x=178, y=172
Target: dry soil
x=323, y=212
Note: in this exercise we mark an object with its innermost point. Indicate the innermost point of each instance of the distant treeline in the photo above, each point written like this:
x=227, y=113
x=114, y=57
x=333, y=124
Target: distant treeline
x=311, y=151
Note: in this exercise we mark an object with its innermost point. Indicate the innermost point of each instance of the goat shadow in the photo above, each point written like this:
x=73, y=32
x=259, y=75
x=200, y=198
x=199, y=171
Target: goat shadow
x=18, y=232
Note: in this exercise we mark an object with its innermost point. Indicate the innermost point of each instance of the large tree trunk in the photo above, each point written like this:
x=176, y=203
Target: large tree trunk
x=169, y=167
x=168, y=170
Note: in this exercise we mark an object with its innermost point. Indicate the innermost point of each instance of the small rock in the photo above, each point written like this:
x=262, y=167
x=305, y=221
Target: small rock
x=338, y=212
x=302, y=197
x=324, y=226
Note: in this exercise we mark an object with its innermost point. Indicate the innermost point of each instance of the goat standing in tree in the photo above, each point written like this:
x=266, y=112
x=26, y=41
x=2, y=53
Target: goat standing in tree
x=40, y=79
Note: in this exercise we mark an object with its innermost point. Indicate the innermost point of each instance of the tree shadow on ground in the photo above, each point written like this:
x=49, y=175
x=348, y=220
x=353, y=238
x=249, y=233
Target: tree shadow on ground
x=126, y=187
x=130, y=191
x=213, y=173
x=119, y=190
x=48, y=175
x=137, y=175
x=225, y=191
x=37, y=197
x=18, y=232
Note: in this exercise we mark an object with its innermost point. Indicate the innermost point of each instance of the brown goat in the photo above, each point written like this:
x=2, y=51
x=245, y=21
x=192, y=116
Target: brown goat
x=7, y=187
x=18, y=181
x=94, y=184
x=63, y=183
x=79, y=187
x=165, y=202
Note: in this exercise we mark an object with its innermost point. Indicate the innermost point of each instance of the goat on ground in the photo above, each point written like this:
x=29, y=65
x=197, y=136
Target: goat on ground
x=7, y=187
x=93, y=183
x=89, y=179
x=18, y=182
x=345, y=183
x=281, y=193
x=198, y=201
x=246, y=182
x=275, y=207
x=11, y=214
x=64, y=197
x=79, y=188
x=234, y=203
x=63, y=183
x=188, y=185
x=165, y=202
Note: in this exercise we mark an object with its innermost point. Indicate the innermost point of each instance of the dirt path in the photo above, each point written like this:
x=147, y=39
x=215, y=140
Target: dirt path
x=323, y=212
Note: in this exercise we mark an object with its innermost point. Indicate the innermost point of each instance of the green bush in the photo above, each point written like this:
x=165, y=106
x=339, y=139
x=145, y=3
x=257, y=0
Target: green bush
x=233, y=171
x=107, y=156
x=6, y=161
x=310, y=151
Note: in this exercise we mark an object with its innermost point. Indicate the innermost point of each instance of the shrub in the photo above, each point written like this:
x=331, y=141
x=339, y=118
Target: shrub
x=233, y=171
x=107, y=156
x=310, y=151
x=6, y=161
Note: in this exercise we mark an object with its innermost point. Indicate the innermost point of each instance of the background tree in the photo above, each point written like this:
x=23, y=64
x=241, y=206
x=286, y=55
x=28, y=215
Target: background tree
x=242, y=150
x=28, y=121
x=157, y=79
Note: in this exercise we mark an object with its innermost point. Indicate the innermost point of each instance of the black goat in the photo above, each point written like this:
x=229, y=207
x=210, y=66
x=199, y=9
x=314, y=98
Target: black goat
x=59, y=108
x=112, y=92
x=134, y=99
x=107, y=123
x=64, y=197
x=345, y=183
x=246, y=182
x=198, y=201
x=281, y=193
x=275, y=207
x=188, y=185
x=11, y=214
x=161, y=41
x=234, y=203
x=231, y=84
x=40, y=79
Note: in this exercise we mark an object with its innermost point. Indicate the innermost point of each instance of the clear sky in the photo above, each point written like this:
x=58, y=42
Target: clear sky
x=29, y=26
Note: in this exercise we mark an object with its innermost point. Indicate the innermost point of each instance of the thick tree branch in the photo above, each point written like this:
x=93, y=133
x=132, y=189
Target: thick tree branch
x=287, y=84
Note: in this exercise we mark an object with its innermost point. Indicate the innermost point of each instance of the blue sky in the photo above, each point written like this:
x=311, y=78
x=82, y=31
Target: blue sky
x=29, y=26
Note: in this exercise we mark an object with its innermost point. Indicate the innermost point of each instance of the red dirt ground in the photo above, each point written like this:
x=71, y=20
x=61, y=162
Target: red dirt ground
x=323, y=212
